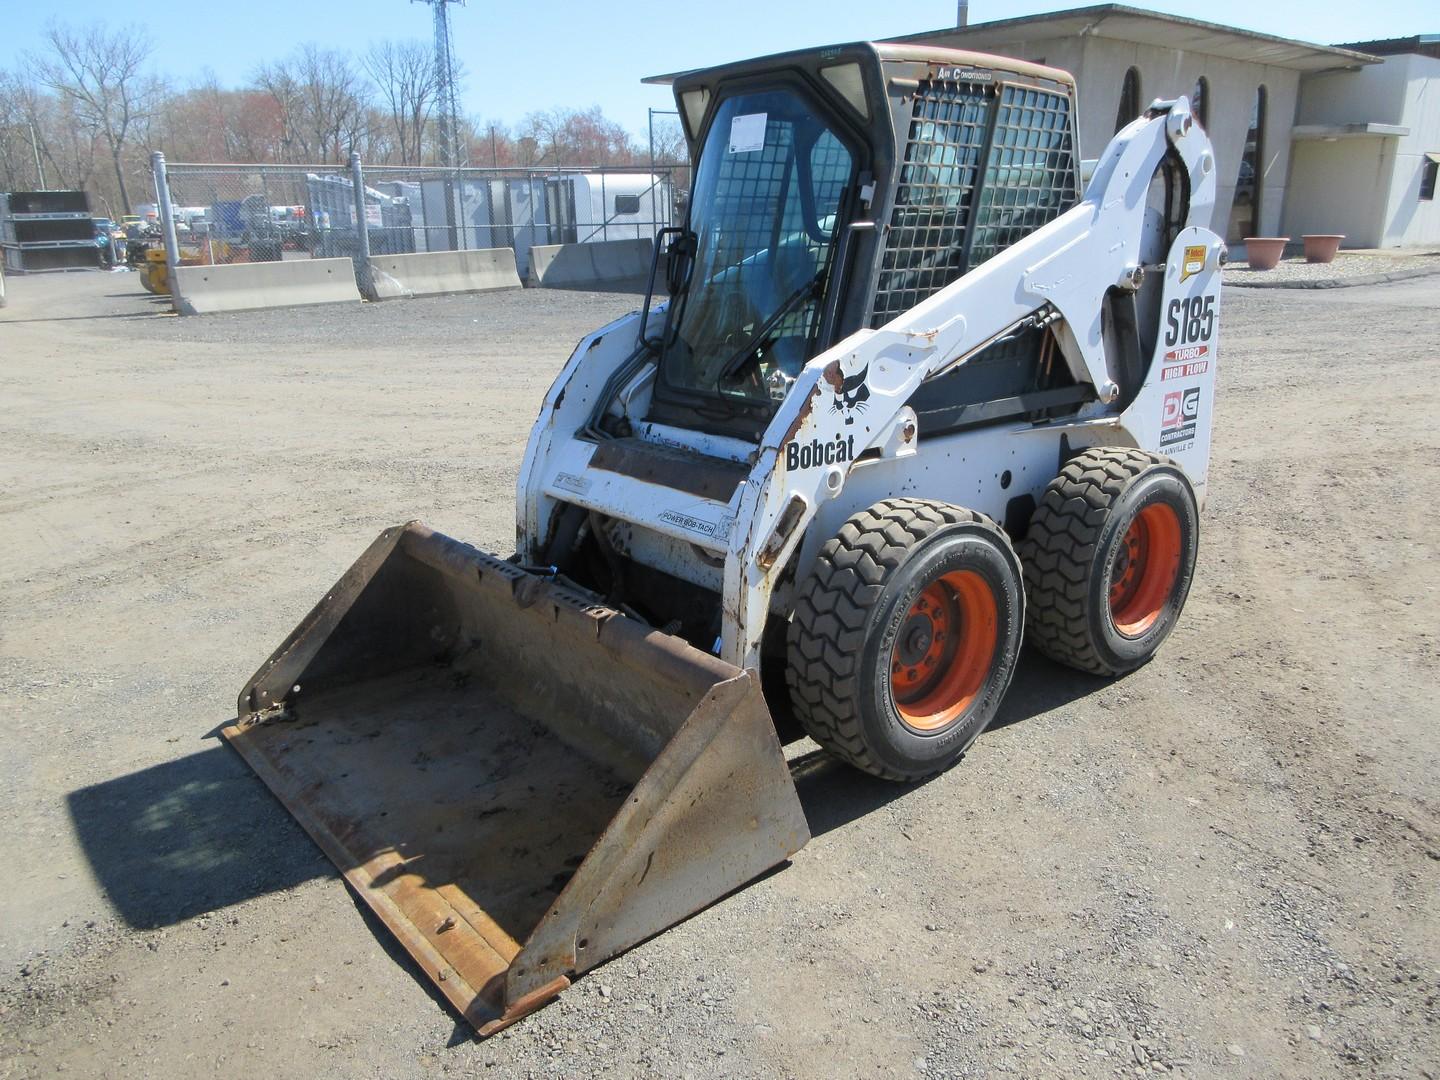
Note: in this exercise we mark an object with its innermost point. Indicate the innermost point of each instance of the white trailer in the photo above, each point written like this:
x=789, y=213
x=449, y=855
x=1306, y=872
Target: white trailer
x=588, y=208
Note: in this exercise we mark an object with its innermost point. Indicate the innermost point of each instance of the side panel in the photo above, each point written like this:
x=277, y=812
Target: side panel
x=841, y=402
x=989, y=469
x=848, y=405
x=1173, y=412
x=566, y=409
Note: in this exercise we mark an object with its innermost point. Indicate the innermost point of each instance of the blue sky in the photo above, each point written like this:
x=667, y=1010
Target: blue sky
x=541, y=54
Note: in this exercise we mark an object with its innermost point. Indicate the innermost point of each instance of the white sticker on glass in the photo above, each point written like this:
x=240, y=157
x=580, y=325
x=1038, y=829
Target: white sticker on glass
x=747, y=133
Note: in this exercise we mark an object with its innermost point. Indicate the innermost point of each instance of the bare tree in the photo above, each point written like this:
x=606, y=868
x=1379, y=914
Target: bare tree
x=43, y=142
x=669, y=139
x=321, y=102
x=279, y=84
x=20, y=165
x=573, y=137
x=404, y=73
x=490, y=143
x=100, y=74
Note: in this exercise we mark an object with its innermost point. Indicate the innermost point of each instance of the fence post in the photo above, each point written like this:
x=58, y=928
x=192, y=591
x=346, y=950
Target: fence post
x=167, y=225
x=362, y=231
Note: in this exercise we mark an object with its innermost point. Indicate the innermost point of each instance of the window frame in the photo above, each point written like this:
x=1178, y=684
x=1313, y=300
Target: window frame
x=1132, y=98
x=982, y=185
x=635, y=199
x=678, y=404
x=1201, y=109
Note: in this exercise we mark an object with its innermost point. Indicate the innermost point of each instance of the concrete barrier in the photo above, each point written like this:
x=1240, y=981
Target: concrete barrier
x=432, y=273
x=578, y=265
x=203, y=290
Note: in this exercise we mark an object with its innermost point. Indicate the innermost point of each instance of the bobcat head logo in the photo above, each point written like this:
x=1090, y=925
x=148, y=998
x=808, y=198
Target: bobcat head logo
x=851, y=393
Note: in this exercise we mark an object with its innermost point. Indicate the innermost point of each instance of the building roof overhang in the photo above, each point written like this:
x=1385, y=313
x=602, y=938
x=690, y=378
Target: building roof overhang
x=1124, y=23
x=1417, y=44
x=1332, y=132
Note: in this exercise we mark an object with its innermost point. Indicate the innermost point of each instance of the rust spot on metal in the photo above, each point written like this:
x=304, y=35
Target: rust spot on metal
x=527, y=590
x=672, y=467
x=546, y=756
x=525, y=1006
x=789, y=519
x=834, y=376
x=806, y=408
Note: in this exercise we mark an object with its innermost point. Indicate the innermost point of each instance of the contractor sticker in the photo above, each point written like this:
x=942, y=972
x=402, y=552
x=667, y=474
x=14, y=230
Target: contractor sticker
x=1194, y=261
x=1180, y=413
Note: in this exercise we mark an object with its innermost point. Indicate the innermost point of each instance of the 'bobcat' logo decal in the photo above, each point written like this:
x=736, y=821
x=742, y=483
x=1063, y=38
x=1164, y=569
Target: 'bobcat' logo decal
x=851, y=393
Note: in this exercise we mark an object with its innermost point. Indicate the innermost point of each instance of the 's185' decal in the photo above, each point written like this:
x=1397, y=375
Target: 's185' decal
x=1190, y=320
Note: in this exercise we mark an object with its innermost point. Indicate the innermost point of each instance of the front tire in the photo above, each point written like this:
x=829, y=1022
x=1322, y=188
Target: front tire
x=1109, y=557
x=905, y=636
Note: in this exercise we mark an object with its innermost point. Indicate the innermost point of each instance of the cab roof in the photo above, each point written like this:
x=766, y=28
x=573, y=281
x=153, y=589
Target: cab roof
x=886, y=51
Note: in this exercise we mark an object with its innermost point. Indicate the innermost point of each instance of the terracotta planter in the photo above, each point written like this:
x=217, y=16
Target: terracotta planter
x=1321, y=247
x=1263, y=252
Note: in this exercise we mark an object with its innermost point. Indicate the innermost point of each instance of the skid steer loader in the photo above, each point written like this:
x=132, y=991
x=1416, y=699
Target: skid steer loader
x=907, y=396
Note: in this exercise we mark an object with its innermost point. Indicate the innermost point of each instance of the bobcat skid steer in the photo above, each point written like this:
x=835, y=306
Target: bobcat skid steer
x=907, y=396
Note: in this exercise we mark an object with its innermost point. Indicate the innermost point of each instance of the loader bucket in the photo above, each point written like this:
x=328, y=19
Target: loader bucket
x=521, y=783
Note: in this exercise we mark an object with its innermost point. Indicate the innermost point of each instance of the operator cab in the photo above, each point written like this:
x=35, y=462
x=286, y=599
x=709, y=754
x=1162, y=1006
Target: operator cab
x=835, y=189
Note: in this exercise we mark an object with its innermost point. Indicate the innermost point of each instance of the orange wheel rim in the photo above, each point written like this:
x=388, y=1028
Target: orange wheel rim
x=1145, y=569
x=944, y=650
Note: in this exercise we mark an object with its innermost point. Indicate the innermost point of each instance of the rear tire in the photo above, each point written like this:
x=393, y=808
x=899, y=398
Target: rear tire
x=1108, y=558
x=905, y=636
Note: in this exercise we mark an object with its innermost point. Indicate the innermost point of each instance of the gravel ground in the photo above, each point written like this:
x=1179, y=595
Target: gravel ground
x=1347, y=265
x=1225, y=864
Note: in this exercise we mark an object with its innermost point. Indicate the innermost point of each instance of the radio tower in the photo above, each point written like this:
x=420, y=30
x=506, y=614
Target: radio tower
x=452, y=154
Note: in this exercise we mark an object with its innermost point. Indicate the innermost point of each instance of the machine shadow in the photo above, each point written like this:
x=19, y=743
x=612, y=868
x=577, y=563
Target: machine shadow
x=1040, y=685
x=188, y=837
x=203, y=832
x=833, y=794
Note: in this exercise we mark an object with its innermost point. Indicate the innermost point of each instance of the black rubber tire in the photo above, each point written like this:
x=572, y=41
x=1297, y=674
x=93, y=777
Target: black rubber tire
x=1070, y=548
x=849, y=610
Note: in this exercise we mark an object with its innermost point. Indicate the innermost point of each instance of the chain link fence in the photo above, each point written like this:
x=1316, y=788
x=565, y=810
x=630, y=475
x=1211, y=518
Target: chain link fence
x=264, y=213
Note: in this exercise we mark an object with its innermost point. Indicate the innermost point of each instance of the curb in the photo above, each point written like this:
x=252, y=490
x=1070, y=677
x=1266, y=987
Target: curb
x=1337, y=283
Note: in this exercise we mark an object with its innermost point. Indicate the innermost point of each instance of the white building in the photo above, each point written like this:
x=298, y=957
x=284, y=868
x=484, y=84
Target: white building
x=1243, y=87
x=1309, y=138
x=1367, y=149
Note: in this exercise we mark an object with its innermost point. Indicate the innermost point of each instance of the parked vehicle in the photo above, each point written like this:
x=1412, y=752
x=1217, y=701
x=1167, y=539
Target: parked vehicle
x=909, y=397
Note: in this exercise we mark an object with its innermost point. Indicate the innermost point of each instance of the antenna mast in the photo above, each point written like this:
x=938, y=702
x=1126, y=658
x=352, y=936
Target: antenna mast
x=447, y=113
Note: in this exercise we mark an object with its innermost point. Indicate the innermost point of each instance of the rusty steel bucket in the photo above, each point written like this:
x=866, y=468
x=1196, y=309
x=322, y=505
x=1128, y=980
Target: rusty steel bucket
x=520, y=782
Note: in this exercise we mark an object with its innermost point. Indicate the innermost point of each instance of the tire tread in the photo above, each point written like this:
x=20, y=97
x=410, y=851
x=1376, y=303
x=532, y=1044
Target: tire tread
x=1058, y=550
x=848, y=580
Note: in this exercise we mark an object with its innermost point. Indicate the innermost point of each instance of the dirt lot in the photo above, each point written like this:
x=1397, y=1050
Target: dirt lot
x=1223, y=865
